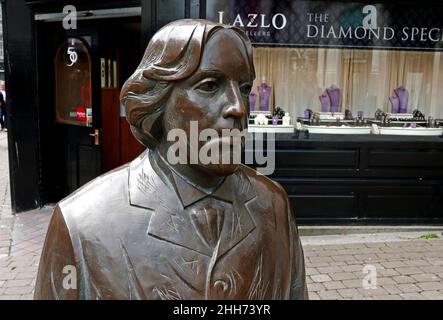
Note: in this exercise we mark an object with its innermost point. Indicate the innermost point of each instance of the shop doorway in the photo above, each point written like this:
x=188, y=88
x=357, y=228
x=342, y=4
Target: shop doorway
x=83, y=128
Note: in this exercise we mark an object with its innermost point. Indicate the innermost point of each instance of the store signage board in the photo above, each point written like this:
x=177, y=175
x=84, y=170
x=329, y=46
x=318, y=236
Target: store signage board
x=333, y=24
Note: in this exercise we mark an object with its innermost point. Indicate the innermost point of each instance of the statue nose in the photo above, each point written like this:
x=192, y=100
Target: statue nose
x=235, y=111
x=235, y=108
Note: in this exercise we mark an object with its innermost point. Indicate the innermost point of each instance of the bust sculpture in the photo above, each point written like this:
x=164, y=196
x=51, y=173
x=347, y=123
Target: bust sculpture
x=156, y=230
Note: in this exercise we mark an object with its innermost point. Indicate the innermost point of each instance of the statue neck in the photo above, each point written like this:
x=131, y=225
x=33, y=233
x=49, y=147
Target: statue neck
x=190, y=173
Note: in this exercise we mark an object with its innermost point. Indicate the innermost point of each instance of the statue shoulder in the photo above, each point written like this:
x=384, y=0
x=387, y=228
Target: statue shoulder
x=271, y=200
x=98, y=197
x=266, y=188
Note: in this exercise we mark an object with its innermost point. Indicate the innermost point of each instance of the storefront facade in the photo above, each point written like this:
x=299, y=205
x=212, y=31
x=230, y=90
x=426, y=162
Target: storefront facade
x=54, y=150
x=363, y=50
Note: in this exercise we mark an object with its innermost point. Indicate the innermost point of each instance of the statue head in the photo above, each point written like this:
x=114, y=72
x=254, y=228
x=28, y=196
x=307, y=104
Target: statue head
x=192, y=71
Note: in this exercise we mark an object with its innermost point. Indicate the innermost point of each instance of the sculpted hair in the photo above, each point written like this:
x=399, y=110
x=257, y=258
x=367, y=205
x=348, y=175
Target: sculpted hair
x=173, y=54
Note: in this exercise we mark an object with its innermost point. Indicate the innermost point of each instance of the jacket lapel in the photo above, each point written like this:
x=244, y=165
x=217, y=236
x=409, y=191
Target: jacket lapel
x=169, y=221
x=239, y=222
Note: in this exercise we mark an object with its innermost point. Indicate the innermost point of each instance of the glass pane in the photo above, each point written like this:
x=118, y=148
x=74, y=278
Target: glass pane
x=73, y=83
x=366, y=78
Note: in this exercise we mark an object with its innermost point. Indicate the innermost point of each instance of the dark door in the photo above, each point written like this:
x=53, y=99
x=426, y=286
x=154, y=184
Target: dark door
x=77, y=106
x=83, y=129
x=70, y=108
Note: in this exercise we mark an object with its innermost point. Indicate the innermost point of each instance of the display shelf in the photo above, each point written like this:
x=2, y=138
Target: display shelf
x=419, y=131
x=337, y=129
x=271, y=128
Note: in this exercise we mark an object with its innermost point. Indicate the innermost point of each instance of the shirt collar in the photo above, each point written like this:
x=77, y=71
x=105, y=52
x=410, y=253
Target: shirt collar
x=186, y=191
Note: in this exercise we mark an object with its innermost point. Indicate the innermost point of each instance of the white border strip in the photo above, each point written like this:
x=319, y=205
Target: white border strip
x=91, y=14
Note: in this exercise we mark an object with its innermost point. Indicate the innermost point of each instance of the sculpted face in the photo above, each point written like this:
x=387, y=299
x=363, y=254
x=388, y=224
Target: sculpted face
x=215, y=95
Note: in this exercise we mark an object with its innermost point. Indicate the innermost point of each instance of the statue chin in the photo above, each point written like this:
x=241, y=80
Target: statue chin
x=229, y=153
x=218, y=169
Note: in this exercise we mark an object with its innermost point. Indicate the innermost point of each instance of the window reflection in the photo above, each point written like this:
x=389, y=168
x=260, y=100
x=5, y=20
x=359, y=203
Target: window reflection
x=73, y=83
x=366, y=78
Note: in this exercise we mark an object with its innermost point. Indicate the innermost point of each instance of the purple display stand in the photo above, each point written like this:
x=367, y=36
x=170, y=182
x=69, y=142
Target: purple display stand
x=252, y=100
x=307, y=113
x=324, y=102
x=395, y=102
x=403, y=96
x=274, y=120
x=334, y=97
x=264, y=93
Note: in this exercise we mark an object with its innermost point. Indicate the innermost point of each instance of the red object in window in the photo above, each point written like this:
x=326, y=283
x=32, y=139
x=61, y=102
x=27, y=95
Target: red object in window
x=81, y=113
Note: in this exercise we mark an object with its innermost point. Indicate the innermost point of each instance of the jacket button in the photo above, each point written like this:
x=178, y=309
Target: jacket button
x=221, y=286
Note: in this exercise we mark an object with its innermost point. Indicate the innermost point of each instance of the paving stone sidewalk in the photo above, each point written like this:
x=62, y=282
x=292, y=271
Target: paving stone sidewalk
x=6, y=219
x=18, y=270
x=5, y=201
x=409, y=269
x=406, y=268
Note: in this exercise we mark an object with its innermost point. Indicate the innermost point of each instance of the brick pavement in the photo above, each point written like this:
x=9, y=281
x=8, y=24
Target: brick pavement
x=18, y=270
x=6, y=219
x=408, y=269
x=21, y=239
x=5, y=201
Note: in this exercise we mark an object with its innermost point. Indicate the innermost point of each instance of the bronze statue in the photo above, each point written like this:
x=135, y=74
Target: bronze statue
x=155, y=230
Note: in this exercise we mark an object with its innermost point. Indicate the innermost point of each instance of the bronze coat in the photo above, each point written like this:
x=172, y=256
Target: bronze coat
x=131, y=234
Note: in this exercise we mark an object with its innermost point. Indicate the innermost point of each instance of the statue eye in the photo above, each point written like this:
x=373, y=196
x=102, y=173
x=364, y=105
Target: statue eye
x=208, y=86
x=245, y=89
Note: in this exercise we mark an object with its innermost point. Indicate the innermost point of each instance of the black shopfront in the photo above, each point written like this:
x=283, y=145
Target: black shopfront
x=300, y=49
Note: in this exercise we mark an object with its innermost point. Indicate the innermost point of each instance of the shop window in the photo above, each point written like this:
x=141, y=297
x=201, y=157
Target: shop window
x=366, y=78
x=73, y=83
